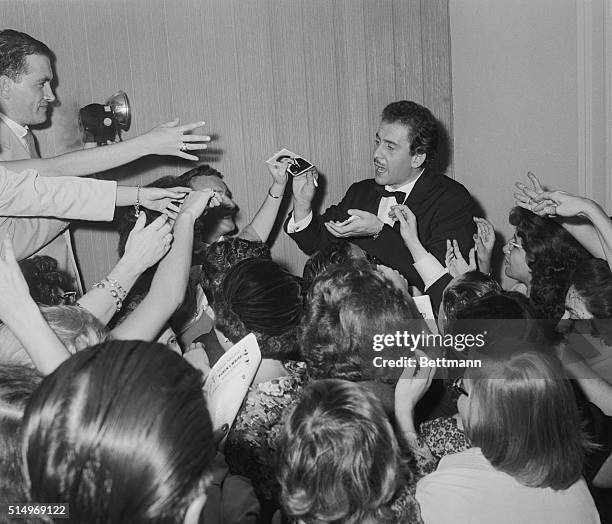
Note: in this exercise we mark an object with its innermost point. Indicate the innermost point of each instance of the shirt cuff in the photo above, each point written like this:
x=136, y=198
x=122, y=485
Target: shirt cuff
x=296, y=227
x=429, y=269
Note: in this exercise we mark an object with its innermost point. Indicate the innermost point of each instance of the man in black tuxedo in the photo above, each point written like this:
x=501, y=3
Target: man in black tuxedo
x=406, y=142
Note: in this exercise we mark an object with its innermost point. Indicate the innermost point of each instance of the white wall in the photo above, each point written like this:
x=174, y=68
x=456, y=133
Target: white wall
x=519, y=91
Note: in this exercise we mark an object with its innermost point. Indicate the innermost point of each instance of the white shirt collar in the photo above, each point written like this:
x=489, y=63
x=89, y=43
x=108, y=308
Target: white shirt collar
x=407, y=187
x=18, y=129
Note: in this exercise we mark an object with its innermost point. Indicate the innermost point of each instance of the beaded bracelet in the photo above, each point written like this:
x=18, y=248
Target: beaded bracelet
x=115, y=289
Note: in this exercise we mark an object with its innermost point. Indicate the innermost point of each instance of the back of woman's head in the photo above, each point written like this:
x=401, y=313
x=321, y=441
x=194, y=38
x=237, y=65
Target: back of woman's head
x=346, y=309
x=592, y=280
x=463, y=289
x=338, y=459
x=260, y=296
x=505, y=314
x=76, y=327
x=335, y=253
x=219, y=257
x=551, y=254
x=522, y=413
x=121, y=432
x=17, y=384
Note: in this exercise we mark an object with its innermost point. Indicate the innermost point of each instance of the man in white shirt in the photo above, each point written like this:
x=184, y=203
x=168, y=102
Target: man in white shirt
x=25, y=94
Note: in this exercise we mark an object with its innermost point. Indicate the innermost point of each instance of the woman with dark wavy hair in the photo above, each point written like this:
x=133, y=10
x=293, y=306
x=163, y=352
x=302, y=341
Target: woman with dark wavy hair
x=339, y=460
x=121, y=433
x=542, y=255
x=259, y=296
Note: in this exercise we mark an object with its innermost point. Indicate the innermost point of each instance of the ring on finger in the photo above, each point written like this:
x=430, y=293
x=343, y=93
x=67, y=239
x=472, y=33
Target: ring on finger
x=184, y=147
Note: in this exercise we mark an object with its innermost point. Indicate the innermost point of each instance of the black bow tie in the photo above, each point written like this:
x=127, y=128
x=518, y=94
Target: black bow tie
x=400, y=196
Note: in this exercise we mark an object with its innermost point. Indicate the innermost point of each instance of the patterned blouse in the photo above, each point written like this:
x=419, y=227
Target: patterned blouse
x=251, y=444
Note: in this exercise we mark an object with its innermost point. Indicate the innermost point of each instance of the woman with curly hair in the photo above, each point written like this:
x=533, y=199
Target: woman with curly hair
x=339, y=460
x=259, y=296
x=542, y=255
x=348, y=309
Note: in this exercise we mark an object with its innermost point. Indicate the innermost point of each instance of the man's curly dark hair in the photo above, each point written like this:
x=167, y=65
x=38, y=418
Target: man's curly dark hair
x=551, y=255
x=421, y=123
x=259, y=296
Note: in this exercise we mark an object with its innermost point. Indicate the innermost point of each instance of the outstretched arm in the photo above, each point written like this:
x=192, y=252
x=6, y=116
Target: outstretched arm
x=577, y=223
x=260, y=227
x=22, y=316
x=170, y=281
x=144, y=247
x=166, y=139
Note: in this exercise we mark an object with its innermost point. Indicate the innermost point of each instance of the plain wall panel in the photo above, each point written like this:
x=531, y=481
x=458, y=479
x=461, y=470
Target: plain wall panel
x=309, y=75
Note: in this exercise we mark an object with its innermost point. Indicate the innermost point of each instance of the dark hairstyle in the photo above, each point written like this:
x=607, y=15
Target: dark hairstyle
x=522, y=413
x=345, y=309
x=592, y=281
x=338, y=458
x=551, y=255
x=338, y=252
x=422, y=126
x=219, y=257
x=17, y=383
x=121, y=432
x=260, y=296
x=465, y=288
x=501, y=315
x=45, y=280
x=15, y=47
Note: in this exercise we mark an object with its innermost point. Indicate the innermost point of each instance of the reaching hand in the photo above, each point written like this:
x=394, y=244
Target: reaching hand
x=359, y=224
x=304, y=188
x=163, y=200
x=278, y=170
x=560, y=203
x=147, y=245
x=197, y=201
x=170, y=139
x=408, y=223
x=14, y=291
x=412, y=384
x=484, y=240
x=526, y=195
x=455, y=263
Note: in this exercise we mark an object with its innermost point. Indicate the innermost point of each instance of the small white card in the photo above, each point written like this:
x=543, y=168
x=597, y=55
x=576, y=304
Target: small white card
x=297, y=165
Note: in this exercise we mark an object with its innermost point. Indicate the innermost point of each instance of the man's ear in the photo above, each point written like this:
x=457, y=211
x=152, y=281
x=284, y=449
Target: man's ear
x=6, y=87
x=417, y=160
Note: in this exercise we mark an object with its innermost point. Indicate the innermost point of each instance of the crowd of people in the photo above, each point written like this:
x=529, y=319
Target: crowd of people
x=102, y=402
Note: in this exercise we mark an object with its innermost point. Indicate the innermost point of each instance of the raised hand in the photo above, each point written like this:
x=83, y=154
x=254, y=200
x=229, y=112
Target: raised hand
x=304, y=188
x=14, y=291
x=145, y=246
x=484, y=240
x=455, y=263
x=171, y=139
x=162, y=200
x=197, y=201
x=560, y=203
x=526, y=194
x=408, y=223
